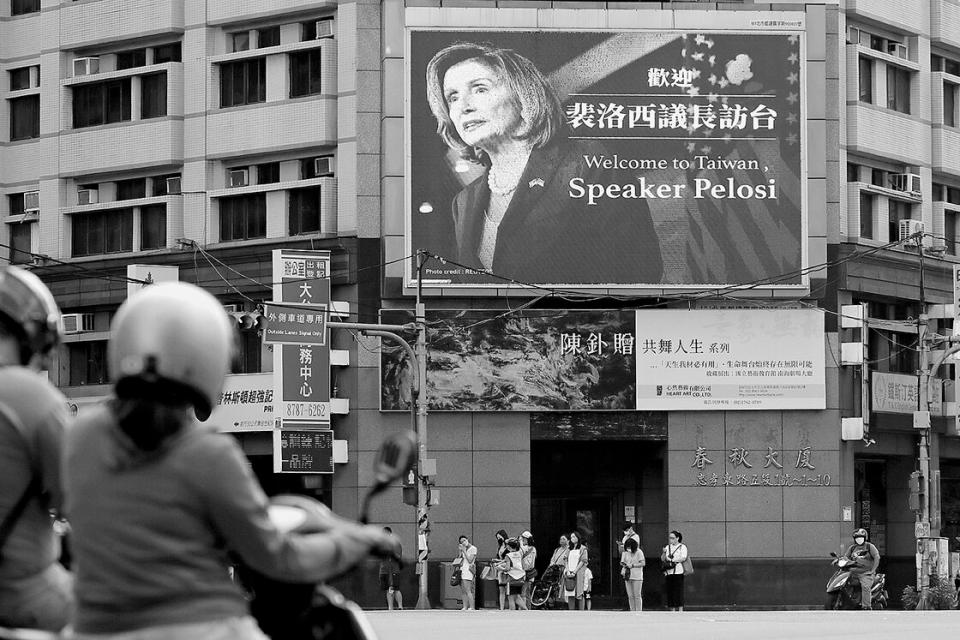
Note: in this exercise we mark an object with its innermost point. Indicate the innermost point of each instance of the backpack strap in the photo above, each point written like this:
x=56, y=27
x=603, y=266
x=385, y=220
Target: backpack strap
x=33, y=488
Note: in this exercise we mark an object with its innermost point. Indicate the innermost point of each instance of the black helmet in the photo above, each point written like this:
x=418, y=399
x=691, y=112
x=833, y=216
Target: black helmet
x=28, y=308
x=860, y=533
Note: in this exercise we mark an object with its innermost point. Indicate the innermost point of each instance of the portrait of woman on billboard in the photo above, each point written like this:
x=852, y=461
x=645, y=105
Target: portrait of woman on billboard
x=528, y=217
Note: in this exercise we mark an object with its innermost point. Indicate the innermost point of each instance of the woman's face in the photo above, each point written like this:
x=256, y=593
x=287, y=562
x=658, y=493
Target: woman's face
x=563, y=541
x=574, y=539
x=481, y=105
x=672, y=538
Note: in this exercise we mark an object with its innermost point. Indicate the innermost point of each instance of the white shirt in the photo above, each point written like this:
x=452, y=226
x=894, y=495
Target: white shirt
x=679, y=555
x=573, y=559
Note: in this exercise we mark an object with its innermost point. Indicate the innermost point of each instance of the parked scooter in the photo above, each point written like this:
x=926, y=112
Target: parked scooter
x=305, y=611
x=844, y=592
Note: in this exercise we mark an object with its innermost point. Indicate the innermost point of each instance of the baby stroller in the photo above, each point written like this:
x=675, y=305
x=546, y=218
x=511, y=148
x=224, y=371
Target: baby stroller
x=547, y=590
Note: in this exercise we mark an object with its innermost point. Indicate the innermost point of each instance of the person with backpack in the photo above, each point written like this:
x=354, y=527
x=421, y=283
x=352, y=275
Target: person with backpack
x=36, y=591
x=516, y=576
x=529, y=556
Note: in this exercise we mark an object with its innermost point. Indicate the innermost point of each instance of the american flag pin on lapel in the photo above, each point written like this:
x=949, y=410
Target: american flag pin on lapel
x=536, y=182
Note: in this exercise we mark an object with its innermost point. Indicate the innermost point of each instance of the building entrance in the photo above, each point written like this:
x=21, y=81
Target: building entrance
x=592, y=488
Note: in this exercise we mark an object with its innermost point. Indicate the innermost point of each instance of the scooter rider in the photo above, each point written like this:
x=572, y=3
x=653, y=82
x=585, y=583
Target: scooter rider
x=866, y=558
x=35, y=590
x=156, y=499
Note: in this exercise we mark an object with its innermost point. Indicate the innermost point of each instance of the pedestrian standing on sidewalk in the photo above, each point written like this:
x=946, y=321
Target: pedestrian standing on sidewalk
x=497, y=563
x=559, y=556
x=529, y=554
x=515, y=575
x=631, y=565
x=574, y=578
x=628, y=533
x=390, y=577
x=156, y=500
x=671, y=560
x=468, y=572
x=36, y=591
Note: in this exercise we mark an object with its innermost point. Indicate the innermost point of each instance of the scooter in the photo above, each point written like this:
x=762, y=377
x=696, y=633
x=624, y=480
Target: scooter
x=305, y=611
x=291, y=611
x=844, y=593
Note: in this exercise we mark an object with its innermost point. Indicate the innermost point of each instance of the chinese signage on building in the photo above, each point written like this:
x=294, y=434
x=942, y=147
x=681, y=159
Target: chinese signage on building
x=761, y=468
x=245, y=404
x=303, y=450
x=297, y=318
x=899, y=393
x=564, y=360
x=660, y=158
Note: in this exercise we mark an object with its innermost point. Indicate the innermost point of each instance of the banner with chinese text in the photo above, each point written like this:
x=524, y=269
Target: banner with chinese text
x=571, y=360
x=671, y=159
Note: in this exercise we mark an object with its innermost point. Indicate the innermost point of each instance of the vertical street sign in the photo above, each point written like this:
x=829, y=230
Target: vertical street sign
x=956, y=332
x=296, y=324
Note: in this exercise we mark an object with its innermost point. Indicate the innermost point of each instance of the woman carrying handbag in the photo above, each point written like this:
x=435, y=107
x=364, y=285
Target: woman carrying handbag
x=575, y=574
x=671, y=561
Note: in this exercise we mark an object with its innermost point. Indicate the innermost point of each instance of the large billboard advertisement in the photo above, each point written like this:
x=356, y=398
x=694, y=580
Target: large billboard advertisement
x=606, y=159
x=626, y=360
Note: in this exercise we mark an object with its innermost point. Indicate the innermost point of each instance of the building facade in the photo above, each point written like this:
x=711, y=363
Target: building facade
x=193, y=138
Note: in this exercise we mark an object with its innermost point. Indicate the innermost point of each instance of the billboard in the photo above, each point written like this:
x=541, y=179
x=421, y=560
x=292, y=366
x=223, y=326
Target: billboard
x=606, y=159
x=245, y=404
x=625, y=360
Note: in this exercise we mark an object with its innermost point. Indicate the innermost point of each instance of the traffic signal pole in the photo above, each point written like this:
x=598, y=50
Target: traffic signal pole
x=418, y=414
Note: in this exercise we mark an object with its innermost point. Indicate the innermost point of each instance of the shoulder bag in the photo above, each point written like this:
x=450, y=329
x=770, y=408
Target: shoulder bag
x=688, y=564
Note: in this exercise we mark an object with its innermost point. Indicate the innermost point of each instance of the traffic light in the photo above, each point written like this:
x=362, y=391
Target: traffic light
x=916, y=491
x=410, y=488
x=249, y=320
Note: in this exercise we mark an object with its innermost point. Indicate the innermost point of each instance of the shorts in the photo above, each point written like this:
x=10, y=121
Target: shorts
x=514, y=588
x=389, y=581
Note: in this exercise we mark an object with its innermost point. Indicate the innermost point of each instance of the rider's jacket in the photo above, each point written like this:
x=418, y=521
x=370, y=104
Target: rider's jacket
x=866, y=556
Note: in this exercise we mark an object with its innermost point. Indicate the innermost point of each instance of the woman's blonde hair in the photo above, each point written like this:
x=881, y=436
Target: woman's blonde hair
x=540, y=110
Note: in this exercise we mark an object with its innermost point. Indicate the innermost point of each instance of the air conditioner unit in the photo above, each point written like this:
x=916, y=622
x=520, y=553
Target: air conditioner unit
x=238, y=177
x=88, y=196
x=86, y=66
x=906, y=182
x=897, y=49
x=31, y=202
x=853, y=35
x=908, y=228
x=324, y=28
x=232, y=308
x=77, y=322
x=173, y=186
x=323, y=166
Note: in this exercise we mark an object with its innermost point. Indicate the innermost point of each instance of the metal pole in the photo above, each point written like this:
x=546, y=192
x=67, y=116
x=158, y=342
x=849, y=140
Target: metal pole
x=923, y=518
x=423, y=504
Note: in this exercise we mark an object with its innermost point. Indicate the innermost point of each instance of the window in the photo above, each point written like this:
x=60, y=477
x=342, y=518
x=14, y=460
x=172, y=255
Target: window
x=269, y=37
x=160, y=184
x=101, y=103
x=240, y=40
x=866, y=79
x=153, y=226
x=853, y=172
x=308, y=167
x=243, y=82
x=167, y=53
x=131, y=59
x=16, y=203
x=88, y=362
x=898, y=211
x=243, y=217
x=308, y=30
x=102, y=232
x=305, y=73
x=866, y=215
x=950, y=104
x=898, y=89
x=131, y=189
x=20, y=241
x=20, y=7
x=268, y=173
x=948, y=65
x=950, y=231
x=153, y=90
x=25, y=118
x=304, y=210
x=20, y=78
x=878, y=178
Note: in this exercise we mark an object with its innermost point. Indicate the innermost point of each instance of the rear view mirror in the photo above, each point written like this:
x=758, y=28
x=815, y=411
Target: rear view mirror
x=396, y=456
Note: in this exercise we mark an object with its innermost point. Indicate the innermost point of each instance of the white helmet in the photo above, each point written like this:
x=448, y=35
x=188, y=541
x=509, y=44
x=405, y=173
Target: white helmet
x=174, y=334
x=28, y=308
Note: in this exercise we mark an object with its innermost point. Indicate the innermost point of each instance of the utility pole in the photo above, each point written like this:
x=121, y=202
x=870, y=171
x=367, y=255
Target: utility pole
x=921, y=420
x=418, y=413
x=420, y=400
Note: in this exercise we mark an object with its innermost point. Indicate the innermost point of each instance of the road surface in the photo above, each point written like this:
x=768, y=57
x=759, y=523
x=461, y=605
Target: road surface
x=662, y=625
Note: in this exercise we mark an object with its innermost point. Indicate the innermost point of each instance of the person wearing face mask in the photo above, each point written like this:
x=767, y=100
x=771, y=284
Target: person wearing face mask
x=866, y=558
